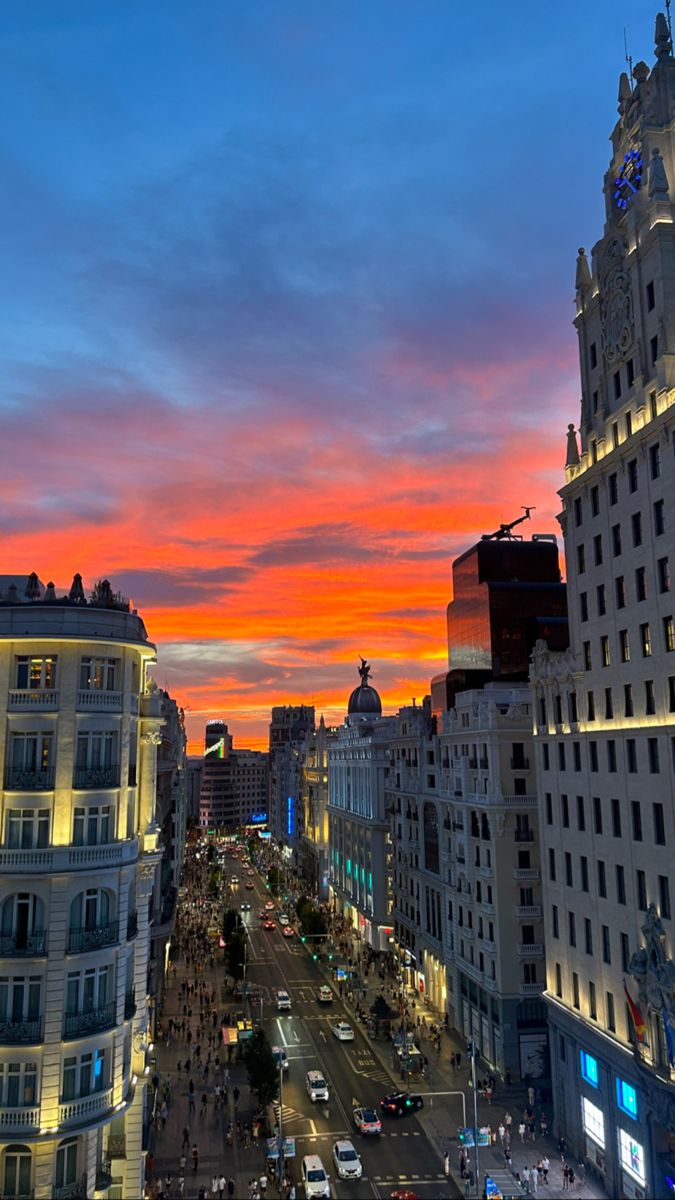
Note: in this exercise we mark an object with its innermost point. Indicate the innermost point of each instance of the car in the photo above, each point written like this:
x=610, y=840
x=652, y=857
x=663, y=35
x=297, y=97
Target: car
x=269, y=924
x=343, y=1032
x=262, y=915
x=317, y=1088
x=403, y=1194
x=283, y=919
x=399, y=1104
x=283, y=1000
x=250, y=873
x=250, y=886
x=324, y=994
x=234, y=880
x=366, y=1121
x=269, y=905
x=288, y=931
x=281, y=1057
x=245, y=907
x=315, y=1181
x=347, y=1162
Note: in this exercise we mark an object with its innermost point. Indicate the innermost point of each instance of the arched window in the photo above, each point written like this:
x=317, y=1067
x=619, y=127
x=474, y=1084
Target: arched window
x=90, y=909
x=16, y=1172
x=66, y=1163
x=22, y=924
x=431, y=857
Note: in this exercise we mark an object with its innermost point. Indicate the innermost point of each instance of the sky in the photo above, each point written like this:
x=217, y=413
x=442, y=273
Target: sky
x=286, y=316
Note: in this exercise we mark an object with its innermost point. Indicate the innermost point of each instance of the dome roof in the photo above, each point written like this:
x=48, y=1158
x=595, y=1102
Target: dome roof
x=364, y=700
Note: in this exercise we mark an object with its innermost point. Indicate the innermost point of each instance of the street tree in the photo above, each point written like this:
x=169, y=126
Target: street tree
x=262, y=1068
x=235, y=956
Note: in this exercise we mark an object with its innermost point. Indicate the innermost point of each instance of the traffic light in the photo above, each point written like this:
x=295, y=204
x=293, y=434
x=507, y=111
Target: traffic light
x=330, y=957
x=315, y=956
x=303, y=939
x=461, y=1134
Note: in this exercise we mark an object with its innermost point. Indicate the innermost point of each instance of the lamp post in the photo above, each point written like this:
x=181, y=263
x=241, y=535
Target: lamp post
x=475, y=1113
x=280, y=1141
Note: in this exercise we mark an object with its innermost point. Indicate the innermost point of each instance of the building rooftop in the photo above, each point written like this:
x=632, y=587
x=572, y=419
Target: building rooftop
x=29, y=589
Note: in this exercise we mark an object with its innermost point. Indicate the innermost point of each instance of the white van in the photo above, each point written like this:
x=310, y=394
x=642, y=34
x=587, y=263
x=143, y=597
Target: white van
x=317, y=1088
x=314, y=1178
x=283, y=1001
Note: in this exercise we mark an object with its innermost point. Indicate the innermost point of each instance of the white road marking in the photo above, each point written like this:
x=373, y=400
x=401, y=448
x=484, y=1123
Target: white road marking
x=322, y=1035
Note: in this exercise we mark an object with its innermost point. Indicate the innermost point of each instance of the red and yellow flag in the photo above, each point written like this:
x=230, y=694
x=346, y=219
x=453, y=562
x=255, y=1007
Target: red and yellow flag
x=638, y=1022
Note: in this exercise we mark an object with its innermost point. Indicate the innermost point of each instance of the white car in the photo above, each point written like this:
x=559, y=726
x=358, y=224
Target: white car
x=314, y=1178
x=281, y=1057
x=283, y=1001
x=343, y=1032
x=347, y=1162
x=324, y=994
x=283, y=919
x=317, y=1088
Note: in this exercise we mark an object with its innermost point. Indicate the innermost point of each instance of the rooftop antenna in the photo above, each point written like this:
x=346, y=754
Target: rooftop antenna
x=629, y=60
x=670, y=28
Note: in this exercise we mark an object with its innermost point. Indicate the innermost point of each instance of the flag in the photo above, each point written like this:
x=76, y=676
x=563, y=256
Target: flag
x=638, y=1023
x=670, y=1037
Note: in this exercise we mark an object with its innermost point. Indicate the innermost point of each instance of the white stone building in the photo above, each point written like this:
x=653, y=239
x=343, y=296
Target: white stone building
x=79, y=730
x=605, y=712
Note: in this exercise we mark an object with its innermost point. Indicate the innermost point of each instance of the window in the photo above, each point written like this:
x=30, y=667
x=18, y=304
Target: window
x=640, y=584
x=581, y=560
x=564, y=811
x=630, y=372
x=597, y=549
x=597, y=814
x=17, y=1171
x=624, y=645
x=28, y=828
x=594, y=356
x=30, y=760
x=668, y=635
x=654, y=349
x=632, y=468
x=625, y=951
x=659, y=522
x=558, y=981
x=549, y=809
x=613, y=488
x=611, y=1019
x=645, y=640
x=653, y=755
x=593, y=755
x=578, y=512
x=575, y=989
x=600, y=600
x=620, y=592
x=572, y=709
x=589, y=1068
x=592, y=1005
x=636, y=815
x=659, y=825
x=611, y=755
x=20, y=998
x=588, y=936
x=650, y=295
x=96, y=749
x=583, y=865
x=555, y=921
x=631, y=753
x=581, y=814
x=590, y=706
x=602, y=879
x=664, y=897
x=620, y=885
x=609, y=706
x=569, y=878
x=36, y=674
x=18, y=1084
x=551, y=864
x=583, y=606
x=606, y=945
x=641, y=889
x=663, y=573
x=98, y=674
x=595, y=500
x=616, y=540
x=655, y=460
x=626, y=1098
x=546, y=756
x=616, y=817
x=617, y=384
x=92, y=826
x=561, y=755
x=636, y=527
x=631, y=1154
x=576, y=754
x=587, y=656
x=650, y=703
x=604, y=651
x=66, y=1163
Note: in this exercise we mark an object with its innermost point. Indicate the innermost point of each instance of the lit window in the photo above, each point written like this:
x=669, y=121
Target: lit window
x=589, y=1069
x=626, y=1098
x=593, y=1121
x=632, y=1157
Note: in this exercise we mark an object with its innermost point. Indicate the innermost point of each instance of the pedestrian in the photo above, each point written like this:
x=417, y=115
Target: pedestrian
x=181, y=1162
x=521, y=1131
x=572, y=1177
x=526, y=1177
x=543, y=1124
x=235, y=1096
x=501, y=1131
x=231, y=1187
x=181, y=1185
x=530, y=1096
x=262, y=1184
x=214, y=1186
x=195, y=1157
x=167, y=1185
x=508, y=1120
x=205, y=1101
x=222, y=1184
x=446, y=1165
x=545, y=1168
x=535, y=1178
x=186, y=1137
x=566, y=1178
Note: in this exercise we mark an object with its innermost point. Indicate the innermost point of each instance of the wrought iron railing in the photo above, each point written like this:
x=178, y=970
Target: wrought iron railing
x=79, y=1024
x=96, y=777
x=16, y=945
x=92, y=939
x=29, y=779
x=14, y=1033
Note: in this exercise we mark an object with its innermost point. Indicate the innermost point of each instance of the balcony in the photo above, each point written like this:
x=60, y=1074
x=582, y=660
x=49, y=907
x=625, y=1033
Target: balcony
x=94, y=700
x=487, y=908
x=489, y=946
x=527, y=873
x=132, y=925
x=28, y=779
x=489, y=983
x=534, y=950
x=85, y=778
x=80, y=1024
x=21, y=1033
x=117, y=1145
x=532, y=989
x=524, y=835
x=103, y=1175
x=520, y=764
x=483, y=764
x=18, y=1120
x=26, y=945
x=129, y=1005
x=80, y=940
x=79, y=1112
x=507, y=800
x=529, y=911
x=33, y=698
x=486, y=872
x=72, y=1191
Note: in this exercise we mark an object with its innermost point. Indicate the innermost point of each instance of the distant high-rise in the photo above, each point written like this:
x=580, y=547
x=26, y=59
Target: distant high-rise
x=290, y=726
x=233, y=790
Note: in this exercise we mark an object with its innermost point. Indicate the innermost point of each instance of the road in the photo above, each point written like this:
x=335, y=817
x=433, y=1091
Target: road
x=402, y=1155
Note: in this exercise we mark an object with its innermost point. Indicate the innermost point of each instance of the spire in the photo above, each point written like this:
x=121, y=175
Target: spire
x=50, y=594
x=583, y=275
x=572, y=456
x=664, y=42
x=658, y=180
x=625, y=92
x=32, y=591
x=76, y=590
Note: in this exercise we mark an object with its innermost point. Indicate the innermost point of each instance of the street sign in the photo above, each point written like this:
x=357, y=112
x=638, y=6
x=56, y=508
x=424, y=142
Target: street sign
x=288, y=1147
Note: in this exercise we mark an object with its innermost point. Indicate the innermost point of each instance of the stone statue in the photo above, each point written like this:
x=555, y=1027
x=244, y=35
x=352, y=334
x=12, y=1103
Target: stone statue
x=658, y=180
x=364, y=672
x=653, y=972
x=572, y=455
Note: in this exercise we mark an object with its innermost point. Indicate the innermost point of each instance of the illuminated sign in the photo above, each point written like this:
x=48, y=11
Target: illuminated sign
x=290, y=827
x=258, y=818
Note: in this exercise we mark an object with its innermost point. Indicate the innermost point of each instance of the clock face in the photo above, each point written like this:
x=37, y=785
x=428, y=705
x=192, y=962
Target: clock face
x=629, y=178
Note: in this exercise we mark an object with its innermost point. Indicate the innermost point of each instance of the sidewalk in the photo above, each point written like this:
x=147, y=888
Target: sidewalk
x=510, y=1099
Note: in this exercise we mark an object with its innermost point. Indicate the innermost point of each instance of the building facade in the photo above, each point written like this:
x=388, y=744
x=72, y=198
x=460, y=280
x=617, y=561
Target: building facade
x=171, y=816
x=358, y=821
x=605, y=712
x=290, y=726
x=313, y=862
x=234, y=783
x=79, y=731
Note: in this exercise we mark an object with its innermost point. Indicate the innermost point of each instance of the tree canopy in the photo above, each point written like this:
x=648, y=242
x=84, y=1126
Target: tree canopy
x=262, y=1068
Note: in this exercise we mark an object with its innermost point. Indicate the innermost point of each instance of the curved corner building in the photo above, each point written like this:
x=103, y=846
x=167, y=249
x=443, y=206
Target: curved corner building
x=79, y=729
